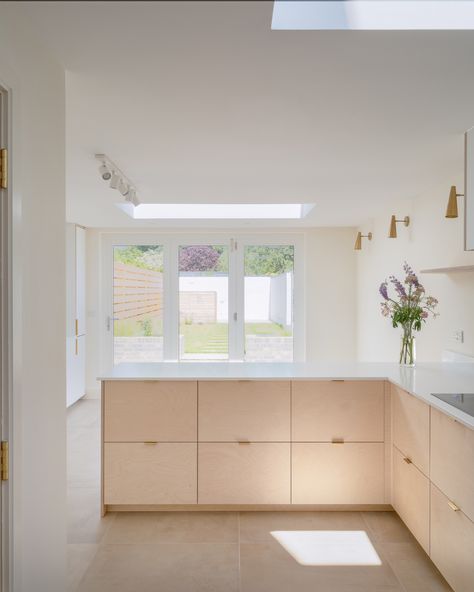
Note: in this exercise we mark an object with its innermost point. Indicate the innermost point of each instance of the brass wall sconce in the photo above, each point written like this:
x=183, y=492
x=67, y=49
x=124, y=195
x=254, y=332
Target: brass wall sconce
x=452, y=208
x=393, y=225
x=360, y=236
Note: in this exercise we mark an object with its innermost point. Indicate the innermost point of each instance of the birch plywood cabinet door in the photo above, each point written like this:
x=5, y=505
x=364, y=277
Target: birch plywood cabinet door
x=411, y=428
x=255, y=473
x=452, y=460
x=257, y=411
x=150, y=473
x=349, y=410
x=351, y=473
x=411, y=498
x=452, y=542
x=140, y=411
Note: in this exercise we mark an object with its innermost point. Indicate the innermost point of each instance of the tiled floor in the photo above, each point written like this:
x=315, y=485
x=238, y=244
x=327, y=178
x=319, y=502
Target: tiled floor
x=218, y=552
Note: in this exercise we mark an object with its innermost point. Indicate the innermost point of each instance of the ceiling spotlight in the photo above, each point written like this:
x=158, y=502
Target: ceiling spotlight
x=104, y=172
x=114, y=181
x=123, y=187
x=132, y=197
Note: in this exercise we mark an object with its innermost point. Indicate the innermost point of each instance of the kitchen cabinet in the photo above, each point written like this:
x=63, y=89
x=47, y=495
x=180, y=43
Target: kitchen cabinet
x=411, y=428
x=349, y=410
x=411, y=497
x=349, y=473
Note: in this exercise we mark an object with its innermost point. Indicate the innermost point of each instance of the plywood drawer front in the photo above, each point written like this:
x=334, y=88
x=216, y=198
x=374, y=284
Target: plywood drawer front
x=257, y=411
x=244, y=473
x=411, y=498
x=411, y=428
x=150, y=473
x=138, y=411
x=452, y=460
x=452, y=543
x=351, y=473
x=352, y=410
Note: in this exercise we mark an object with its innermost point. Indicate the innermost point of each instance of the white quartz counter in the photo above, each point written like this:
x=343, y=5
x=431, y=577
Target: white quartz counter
x=421, y=381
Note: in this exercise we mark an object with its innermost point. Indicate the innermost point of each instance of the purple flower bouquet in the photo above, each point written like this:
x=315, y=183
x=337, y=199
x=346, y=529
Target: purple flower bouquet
x=409, y=308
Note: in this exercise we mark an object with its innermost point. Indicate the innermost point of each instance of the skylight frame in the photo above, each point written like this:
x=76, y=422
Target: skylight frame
x=380, y=15
x=220, y=211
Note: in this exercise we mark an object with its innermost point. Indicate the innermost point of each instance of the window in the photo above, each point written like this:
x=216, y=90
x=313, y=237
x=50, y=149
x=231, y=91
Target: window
x=195, y=298
x=204, y=302
x=268, y=286
x=138, y=303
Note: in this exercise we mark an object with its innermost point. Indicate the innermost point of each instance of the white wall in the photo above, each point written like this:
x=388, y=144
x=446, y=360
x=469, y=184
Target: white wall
x=330, y=295
x=218, y=284
x=430, y=241
x=39, y=429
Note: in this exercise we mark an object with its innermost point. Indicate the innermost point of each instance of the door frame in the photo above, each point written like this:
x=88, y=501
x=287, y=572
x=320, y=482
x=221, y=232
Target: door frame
x=6, y=348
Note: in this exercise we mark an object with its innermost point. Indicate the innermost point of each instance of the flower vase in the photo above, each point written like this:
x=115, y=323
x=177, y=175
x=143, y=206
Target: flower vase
x=407, y=349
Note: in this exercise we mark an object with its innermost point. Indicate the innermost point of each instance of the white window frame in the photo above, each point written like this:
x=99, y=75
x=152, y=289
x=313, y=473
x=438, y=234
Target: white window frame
x=236, y=243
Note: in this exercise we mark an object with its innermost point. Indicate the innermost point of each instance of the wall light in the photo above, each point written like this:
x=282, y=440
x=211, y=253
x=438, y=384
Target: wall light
x=360, y=236
x=393, y=225
x=452, y=208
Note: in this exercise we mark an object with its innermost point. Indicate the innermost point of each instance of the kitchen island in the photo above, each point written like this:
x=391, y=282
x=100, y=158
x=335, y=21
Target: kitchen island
x=226, y=436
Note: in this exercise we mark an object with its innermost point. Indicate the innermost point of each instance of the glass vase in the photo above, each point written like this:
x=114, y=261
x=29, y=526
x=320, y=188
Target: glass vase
x=407, y=349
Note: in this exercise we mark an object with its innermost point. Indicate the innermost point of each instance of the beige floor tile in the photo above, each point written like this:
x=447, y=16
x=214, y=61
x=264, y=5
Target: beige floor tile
x=387, y=527
x=268, y=567
x=164, y=568
x=85, y=524
x=173, y=527
x=79, y=558
x=413, y=568
x=255, y=527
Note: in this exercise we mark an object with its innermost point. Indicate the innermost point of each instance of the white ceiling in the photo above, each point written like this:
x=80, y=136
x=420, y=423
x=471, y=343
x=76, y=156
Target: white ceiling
x=203, y=102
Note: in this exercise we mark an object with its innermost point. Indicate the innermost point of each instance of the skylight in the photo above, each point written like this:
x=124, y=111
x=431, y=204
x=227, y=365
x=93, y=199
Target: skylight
x=153, y=211
x=373, y=14
x=328, y=547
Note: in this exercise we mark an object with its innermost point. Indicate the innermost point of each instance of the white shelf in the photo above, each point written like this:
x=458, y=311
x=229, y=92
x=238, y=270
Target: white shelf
x=455, y=269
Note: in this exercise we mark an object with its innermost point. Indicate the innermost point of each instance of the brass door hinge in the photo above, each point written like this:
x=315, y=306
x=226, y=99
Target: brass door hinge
x=5, y=461
x=3, y=168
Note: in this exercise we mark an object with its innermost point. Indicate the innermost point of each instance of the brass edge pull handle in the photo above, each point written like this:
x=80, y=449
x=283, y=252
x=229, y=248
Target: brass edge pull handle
x=338, y=380
x=453, y=506
x=243, y=442
x=337, y=441
x=408, y=460
x=150, y=442
x=77, y=327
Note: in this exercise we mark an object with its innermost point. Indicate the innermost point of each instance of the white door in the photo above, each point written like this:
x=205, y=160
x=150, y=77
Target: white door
x=5, y=344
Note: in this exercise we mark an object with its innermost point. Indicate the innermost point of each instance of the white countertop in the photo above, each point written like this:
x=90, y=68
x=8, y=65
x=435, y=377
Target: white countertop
x=421, y=381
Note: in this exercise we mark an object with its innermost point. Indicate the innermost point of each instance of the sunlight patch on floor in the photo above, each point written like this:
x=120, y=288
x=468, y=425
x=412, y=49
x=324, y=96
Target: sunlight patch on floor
x=328, y=547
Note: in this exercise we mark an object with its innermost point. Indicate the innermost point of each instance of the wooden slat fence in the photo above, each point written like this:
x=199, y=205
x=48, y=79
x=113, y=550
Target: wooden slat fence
x=138, y=292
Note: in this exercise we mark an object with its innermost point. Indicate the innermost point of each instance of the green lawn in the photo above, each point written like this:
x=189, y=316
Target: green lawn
x=213, y=337
x=198, y=339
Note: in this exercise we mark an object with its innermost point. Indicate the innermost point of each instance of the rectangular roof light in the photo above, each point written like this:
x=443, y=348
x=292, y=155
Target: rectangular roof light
x=373, y=15
x=152, y=211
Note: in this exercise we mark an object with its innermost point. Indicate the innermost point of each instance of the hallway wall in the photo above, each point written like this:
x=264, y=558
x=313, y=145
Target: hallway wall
x=38, y=181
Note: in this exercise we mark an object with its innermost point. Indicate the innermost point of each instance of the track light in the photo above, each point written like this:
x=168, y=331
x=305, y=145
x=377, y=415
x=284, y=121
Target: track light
x=104, y=172
x=132, y=197
x=123, y=187
x=393, y=225
x=109, y=171
x=360, y=236
x=452, y=208
x=114, y=181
